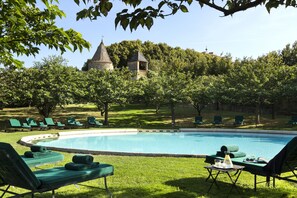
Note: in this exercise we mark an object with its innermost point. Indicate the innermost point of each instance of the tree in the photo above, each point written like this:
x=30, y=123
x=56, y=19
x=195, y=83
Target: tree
x=153, y=90
x=256, y=83
x=144, y=14
x=173, y=90
x=52, y=83
x=289, y=54
x=107, y=87
x=13, y=87
x=24, y=27
x=199, y=93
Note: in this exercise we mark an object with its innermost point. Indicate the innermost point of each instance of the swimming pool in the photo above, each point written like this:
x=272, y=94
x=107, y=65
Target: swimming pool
x=179, y=143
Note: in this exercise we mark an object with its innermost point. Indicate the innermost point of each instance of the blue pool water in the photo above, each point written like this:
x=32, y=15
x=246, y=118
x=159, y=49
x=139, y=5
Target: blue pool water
x=182, y=143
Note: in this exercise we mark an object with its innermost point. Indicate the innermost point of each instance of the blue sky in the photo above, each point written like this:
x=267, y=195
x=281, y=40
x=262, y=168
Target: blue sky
x=250, y=33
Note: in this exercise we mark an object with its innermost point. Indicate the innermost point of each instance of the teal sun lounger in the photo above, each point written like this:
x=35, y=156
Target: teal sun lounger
x=15, y=172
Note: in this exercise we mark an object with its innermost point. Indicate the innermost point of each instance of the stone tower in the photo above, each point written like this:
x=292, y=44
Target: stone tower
x=100, y=59
x=138, y=65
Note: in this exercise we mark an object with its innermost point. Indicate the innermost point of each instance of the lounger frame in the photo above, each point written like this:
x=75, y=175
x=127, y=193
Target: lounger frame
x=284, y=162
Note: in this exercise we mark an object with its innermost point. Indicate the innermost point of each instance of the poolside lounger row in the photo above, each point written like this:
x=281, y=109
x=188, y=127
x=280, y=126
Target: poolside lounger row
x=15, y=172
x=284, y=162
x=31, y=123
x=218, y=120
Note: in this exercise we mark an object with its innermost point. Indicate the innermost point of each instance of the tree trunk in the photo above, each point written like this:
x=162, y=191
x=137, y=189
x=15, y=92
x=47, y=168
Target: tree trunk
x=258, y=114
x=217, y=105
x=106, y=113
x=273, y=111
x=172, y=107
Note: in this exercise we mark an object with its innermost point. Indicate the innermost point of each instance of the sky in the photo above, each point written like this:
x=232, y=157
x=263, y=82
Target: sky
x=251, y=33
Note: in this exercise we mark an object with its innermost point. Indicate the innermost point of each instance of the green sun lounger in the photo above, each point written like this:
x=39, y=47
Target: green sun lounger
x=284, y=162
x=217, y=120
x=50, y=123
x=238, y=120
x=15, y=172
x=293, y=120
x=93, y=122
x=72, y=122
x=33, y=124
x=16, y=124
x=198, y=120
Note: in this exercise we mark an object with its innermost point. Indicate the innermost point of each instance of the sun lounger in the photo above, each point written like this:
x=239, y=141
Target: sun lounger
x=293, y=120
x=50, y=123
x=15, y=172
x=93, y=122
x=16, y=124
x=284, y=162
x=217, y=120
x=238, y=120
x=33, y=124
x=35, y=158
x=198, y=120
x=73, y=123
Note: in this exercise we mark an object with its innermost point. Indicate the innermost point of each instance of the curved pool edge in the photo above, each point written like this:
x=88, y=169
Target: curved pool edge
x=29, y=140
x=238, y=131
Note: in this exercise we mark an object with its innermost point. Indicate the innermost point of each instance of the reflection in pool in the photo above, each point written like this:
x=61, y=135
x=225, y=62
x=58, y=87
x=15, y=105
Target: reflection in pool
x=179, y=143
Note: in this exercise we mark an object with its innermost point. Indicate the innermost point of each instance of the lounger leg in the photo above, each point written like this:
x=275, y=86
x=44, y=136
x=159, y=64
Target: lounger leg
x=106, y=187
x=53, y=193
x=255, y=183
x=273, y=182
x=268, y=181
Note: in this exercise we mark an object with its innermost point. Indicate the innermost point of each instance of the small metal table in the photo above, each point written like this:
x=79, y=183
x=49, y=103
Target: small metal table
x=237, y=169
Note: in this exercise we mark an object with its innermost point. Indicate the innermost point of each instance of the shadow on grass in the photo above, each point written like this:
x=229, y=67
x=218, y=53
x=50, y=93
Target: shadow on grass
x=193, y=187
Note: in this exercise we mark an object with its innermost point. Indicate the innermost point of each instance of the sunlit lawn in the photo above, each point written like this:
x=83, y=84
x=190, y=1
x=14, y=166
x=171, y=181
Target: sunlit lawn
x=152, y=176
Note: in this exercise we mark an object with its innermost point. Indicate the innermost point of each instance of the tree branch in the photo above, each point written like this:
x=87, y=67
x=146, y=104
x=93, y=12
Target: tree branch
x=234, y=9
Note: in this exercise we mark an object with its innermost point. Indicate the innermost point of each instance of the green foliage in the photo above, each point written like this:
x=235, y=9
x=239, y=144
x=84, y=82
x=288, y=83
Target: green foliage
x=257, y=83
x=52, y=83
x=289, y=54
x=107, y=87
x=138, y=14
x=169, y=88
x=200, y=92
x=163, y=57
x=14, y=87
x=24, y=27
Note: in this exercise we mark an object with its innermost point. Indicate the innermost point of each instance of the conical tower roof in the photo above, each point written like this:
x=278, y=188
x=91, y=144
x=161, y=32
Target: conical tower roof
x=101, y=54
x=138, y=56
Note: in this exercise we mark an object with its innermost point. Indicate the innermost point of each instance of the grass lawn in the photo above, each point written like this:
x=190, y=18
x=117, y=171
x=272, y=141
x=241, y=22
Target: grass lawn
x=136, y=176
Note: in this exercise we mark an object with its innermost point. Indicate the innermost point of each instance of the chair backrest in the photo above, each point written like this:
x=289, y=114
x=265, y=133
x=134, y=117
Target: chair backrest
x=14, y=171
x=217, y=118
x=239, y=118
x=285, y=160
x=91, y=120
x=49, y=121
x=294, y=118
x=31, y=122
x=15, y=122
x=198, y=118
x=70, y=120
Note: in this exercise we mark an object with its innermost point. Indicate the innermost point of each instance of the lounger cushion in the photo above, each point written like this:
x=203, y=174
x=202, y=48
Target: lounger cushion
x=56, y=177
x=49, y=157
x=252, y=167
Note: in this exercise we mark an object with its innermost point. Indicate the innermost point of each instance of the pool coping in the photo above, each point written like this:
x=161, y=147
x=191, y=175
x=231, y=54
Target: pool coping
x=29, y=140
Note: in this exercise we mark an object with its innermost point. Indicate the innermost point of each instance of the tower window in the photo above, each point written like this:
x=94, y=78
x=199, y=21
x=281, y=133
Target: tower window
x=142, y=65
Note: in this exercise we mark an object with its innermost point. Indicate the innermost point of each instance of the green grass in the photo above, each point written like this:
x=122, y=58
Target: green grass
x=136, y=176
